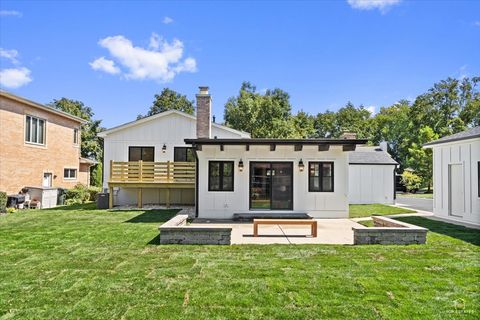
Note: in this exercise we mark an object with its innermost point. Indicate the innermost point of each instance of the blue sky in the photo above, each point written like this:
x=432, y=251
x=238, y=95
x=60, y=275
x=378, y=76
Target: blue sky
x=115, y=56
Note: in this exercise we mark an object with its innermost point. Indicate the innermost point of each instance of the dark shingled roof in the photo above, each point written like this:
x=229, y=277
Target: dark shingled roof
x=468, y=134
x=372, y=155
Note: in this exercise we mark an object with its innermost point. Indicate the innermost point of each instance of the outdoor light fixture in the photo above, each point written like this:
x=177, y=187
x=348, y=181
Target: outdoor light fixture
x=301, y=166
x=164, y=148
x=240, y=165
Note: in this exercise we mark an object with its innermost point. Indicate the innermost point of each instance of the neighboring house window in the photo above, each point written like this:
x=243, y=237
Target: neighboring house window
x=183, y=154
x=141, y=153
x=34, y=130
x=75, y=136
x=70, y=173
x=220, y=176
x=478, y=174
x=320, y=176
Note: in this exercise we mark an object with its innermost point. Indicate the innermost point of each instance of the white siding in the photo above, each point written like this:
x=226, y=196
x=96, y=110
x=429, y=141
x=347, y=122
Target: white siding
x=170, y=130
x=371, y=184
x=222, y=205
x=465, y=153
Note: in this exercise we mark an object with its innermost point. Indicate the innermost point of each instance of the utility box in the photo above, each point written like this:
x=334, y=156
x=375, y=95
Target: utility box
x=102, y=200
x=46, y=196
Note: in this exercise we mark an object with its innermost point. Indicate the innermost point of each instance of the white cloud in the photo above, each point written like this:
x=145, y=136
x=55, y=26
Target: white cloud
x=10, y=55
x=162, y=63
x=476, y=23
x=11, y=13
x=105, y=65
x=167, y=20
x=382, y=5
x=371, y=109
x=14, y=77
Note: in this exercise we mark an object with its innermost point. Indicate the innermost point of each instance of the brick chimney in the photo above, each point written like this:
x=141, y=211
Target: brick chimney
x=348, y=135
x=204, y=109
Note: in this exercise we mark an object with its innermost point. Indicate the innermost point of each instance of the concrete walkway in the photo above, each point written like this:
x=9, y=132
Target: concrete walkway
x=415, y=203
x=329, y=231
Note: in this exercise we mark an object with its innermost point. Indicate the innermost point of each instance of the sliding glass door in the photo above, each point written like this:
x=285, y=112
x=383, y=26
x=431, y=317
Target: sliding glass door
x=271, y=185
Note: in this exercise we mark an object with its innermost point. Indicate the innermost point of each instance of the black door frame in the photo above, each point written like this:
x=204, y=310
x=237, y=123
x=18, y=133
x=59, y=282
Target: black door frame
x=271, y=186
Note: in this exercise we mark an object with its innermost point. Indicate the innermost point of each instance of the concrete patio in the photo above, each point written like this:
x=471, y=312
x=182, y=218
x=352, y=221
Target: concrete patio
x=330, y=231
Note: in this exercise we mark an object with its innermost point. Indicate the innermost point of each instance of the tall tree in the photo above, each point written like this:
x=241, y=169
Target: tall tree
x=263, y=115
x=170, y=100
x=91, y=145
x=419, y=158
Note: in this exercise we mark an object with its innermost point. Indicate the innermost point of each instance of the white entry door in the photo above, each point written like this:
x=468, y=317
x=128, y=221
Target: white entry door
x=456, y=185
x=47, y=179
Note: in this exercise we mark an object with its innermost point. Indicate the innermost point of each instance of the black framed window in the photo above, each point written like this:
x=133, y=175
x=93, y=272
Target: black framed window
x=70, y=173
x=75, y=136
x=220, y=175
x=320, y=177
x=141, y=153
x=184, y=154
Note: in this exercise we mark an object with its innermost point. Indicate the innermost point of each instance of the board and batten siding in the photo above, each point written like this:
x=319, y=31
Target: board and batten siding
x=223, y=204
x=371, y=184
x=170, y=130
x=464, y=154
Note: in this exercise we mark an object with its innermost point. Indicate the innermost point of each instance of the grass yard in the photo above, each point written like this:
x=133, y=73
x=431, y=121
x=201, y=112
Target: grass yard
x=81, y=263
x=367, y=210
x=417, y=195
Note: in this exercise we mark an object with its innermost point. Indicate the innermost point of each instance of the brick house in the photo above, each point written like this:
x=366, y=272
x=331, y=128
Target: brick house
x=39, y=146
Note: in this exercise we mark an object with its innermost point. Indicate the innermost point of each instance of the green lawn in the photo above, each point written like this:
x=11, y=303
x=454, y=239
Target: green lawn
x=366, y=210
x=80, y=263
x=417, y=195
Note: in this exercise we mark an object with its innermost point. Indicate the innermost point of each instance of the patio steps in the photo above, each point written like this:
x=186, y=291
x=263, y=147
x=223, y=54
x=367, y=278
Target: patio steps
x=269, y=215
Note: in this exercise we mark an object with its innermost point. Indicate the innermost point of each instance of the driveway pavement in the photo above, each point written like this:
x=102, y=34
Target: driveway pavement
x=415, y=203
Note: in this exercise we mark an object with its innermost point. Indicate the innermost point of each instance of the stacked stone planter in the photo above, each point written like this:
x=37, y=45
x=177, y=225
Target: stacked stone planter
x=176, y=231
x=389, y=231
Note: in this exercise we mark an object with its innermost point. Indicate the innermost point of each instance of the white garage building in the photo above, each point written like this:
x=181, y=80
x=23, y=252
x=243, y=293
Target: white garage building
x=371, y=176
x=456, y=176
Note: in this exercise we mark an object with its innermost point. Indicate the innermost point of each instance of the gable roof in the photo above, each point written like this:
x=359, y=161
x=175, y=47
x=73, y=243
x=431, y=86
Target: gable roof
x=34, y=104
x=464, y=135
x=164, y=114
x=370, y=155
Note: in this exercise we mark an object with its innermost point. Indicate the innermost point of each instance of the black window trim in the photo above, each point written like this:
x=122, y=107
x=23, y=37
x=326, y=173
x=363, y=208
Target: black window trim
x=186, y=148
x=130, y=148
x=220, y=174
x=321, y=176
x=70, y=170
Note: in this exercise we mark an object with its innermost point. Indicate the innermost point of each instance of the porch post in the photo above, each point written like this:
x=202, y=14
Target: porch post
x=168, y=198
x=110, y=197
x=139, y=198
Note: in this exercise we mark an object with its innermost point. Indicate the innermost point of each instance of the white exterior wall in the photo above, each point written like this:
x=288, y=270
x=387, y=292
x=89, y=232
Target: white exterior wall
x=467, y=154
x=371, y=184
x=222, y=205
x=170, y=130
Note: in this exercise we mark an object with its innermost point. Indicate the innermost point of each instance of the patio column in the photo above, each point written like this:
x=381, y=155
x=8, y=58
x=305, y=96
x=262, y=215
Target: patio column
x=139, y=198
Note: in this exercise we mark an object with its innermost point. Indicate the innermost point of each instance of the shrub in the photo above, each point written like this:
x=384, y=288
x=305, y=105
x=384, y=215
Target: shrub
x=78, y=194
x=411, y=181
x=3, y=201
x=93, y=191
x=11, y=210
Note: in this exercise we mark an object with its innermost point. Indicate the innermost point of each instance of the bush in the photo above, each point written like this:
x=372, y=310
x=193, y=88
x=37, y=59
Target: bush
x=93, y=191
x=11, y=210
x=3, y=201
x=411, y=181
x=78, y=194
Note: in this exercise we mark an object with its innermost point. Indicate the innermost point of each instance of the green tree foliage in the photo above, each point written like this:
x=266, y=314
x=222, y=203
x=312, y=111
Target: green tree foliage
x=411, y=181
x=348, y=118
x=170, y=100
x=420, y=158
x=91, y=145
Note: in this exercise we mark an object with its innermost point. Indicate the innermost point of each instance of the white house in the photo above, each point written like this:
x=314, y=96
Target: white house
x=158, y=138
x=456, y=176
x=371, y=175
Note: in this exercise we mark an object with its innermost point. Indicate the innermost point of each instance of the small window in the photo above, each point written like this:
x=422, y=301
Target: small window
x=70, y=173
x=320, y=176
x=34, y=130
x=183, y=154
x=141, y=153
x=220, y=176
x=75, y=136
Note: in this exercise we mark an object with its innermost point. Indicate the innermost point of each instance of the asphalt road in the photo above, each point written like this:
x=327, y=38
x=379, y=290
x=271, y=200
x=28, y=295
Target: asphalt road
x=415, y=203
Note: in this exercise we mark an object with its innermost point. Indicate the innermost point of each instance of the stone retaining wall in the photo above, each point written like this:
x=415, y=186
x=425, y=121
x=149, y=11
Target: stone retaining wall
x=389, y=231
x=176, y=231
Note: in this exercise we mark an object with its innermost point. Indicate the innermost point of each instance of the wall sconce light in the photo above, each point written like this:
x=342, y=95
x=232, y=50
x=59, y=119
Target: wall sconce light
x=164, y=148
x=301, y=166
x=240, y=165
